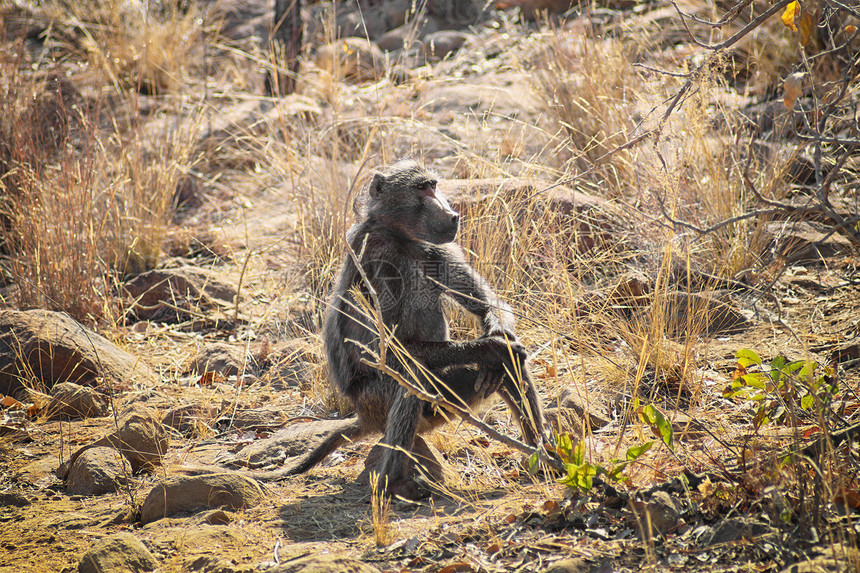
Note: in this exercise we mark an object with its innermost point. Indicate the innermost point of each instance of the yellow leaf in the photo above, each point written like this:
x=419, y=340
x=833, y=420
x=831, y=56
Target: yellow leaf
x=790, y=13
x=807, y=26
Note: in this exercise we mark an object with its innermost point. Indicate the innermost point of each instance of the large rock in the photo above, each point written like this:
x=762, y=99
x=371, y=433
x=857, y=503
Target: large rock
x=170, y=295
x=226, y=359
x=53, y=347
x=122, y=552
x=802, y=242
x=185, y=494
x=70, y=400
x=323, y=564
x=294, y=440
x=585, y=221
x=574, y=410
x=711, y=314
x=189, y=419
x=140, y=437
x=97, y=471
x=355, y=59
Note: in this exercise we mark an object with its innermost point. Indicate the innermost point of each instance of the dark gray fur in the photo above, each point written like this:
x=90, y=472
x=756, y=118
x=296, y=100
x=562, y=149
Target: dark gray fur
x=407, y=250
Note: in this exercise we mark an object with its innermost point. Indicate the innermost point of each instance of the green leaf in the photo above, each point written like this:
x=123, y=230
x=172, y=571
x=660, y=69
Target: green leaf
x=747, y=357
x=806, y=373
x=533, y=463
x=756, y=380
x=807, y=402
x=777, y=363
x=636, y=451
x=793, y=367
x=564, y=446
x=659, y=424
x=578, y=455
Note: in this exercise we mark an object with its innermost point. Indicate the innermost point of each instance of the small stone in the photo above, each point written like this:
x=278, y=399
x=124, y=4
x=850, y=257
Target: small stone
x=324, y=564
x=657, y=517
x=70, y=400
x=120, y=552
x=441, y=44
x=140, y=438
x=188, y=419
x=226, y=359
x=97, y=471
x=185, y=494
x=356, y=59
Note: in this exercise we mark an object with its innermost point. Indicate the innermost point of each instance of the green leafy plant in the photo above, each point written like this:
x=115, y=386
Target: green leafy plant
x=780, y=386
x=580, y=473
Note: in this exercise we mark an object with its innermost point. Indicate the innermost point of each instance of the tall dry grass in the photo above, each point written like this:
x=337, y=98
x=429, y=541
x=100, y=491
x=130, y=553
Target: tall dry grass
x=86, y=194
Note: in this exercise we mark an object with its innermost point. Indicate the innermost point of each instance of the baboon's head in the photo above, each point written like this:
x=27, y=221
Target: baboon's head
x=404, y=197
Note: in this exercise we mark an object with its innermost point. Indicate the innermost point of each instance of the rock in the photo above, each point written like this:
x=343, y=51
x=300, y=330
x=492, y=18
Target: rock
x=294, y=440
x=208, y=564
x=140, y=438
x=122, y=552
x=354, y=59
x=70, y=400
x=226, y=359
x=97, y=471
x=55, y=348
x=290, y=366
x=441, y=44
x=402, y=36
x=704, y=313
x=173, y=295
x=732, y=529
x=293, y=107
x=802, y=242
x=323, y=564
x=836, y=558
x=658, y=517
x=572, y=565
x=13, y=499
x=572, y=407
x=191, y=493
x=583, y=220
x=532, y=10
x=214, y=517
x=188, y=419
x=242, y=19
x=253, y=418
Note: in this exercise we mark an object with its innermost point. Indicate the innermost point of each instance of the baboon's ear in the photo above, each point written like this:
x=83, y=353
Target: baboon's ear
x=376, y=185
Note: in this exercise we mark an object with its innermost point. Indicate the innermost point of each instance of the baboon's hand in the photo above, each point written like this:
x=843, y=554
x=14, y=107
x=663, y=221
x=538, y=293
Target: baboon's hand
x=509, y=350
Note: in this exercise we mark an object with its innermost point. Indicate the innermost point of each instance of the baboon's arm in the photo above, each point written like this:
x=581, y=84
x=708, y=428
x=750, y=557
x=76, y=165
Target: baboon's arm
x=448, y=270
x=484, y=352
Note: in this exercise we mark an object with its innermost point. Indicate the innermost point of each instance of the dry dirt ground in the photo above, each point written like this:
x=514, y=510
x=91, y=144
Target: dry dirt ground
x=725, y=498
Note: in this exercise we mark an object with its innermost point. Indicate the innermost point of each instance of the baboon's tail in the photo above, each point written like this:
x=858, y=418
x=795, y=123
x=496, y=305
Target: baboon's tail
x=335, y=440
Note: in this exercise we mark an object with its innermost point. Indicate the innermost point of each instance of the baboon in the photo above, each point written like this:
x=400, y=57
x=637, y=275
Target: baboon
x=405, y=245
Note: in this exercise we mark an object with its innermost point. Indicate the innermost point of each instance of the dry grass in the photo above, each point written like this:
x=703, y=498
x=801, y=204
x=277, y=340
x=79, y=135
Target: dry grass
x=81, y=213
x=86, y=202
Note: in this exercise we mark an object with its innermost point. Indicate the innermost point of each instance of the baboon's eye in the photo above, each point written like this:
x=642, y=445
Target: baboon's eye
x=427, y=188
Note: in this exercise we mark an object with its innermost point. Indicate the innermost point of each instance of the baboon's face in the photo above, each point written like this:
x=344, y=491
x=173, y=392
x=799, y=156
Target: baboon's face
x=407, y=199
x=437, y=222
